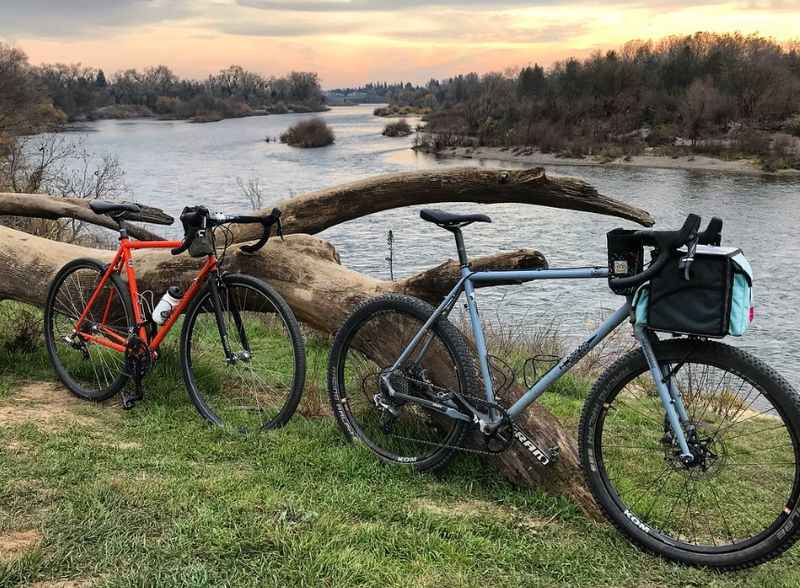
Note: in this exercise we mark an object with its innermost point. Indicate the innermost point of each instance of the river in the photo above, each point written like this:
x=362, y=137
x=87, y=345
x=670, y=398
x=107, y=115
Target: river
x=171, y=164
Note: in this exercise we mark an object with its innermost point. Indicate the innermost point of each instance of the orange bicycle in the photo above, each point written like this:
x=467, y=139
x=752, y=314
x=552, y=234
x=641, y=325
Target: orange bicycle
x=241, y=350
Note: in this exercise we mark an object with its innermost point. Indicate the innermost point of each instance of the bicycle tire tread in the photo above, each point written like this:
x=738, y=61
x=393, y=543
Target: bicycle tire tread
x=630, y=362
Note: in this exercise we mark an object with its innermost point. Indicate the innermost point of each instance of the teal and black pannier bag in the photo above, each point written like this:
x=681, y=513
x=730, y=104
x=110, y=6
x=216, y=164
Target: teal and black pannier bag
x=716, y=300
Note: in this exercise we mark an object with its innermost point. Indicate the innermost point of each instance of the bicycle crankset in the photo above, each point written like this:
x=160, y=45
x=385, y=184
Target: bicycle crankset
x=139, y=360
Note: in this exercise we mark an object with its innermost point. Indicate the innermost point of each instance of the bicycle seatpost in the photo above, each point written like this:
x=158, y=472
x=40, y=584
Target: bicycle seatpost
x=462, y=251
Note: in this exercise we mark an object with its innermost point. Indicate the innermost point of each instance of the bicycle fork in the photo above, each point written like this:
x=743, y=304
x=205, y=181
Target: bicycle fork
x=216, y=302
x=670, y=396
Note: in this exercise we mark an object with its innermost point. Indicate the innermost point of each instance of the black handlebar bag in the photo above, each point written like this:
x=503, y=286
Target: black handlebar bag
x=716, y=300
x=200, y=238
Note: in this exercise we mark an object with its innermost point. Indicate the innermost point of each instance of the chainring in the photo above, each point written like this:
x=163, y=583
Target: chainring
x=139, y=360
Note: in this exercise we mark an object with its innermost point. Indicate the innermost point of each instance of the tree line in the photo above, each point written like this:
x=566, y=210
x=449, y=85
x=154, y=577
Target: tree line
x=378, y=91
x=78, y=92
x=709, y=91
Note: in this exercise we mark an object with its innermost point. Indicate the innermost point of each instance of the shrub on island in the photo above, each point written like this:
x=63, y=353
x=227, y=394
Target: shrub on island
x=313, y=132
x=401, y=128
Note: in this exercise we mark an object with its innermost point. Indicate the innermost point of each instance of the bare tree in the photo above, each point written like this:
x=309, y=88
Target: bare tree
x=24, y=107
x=700, y=107
x=63, y=167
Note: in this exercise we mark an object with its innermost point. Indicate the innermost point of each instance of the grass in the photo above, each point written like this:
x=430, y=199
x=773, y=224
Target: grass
x=154, y=496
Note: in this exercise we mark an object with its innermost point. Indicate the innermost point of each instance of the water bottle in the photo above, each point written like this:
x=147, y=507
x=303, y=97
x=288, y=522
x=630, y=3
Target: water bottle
x=168, y=301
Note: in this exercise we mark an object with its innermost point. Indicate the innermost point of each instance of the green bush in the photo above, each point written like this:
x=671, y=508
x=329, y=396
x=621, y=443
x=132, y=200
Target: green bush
x=313, y=132
x=661, y=135
x=20, y=327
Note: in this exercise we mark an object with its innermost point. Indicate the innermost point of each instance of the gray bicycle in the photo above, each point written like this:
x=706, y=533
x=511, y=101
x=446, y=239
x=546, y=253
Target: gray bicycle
x=690, y=446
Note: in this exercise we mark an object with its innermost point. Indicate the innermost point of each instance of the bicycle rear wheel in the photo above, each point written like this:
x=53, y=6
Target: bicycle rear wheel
x=736, y=505
x=262, y=387
x=89, y=370
x=399, y=432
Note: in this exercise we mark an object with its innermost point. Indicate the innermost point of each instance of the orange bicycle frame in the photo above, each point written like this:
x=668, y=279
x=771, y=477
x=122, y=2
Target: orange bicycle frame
x=124, y=259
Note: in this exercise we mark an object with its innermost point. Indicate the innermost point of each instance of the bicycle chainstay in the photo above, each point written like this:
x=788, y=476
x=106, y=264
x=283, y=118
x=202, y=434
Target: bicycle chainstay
x=502, y=437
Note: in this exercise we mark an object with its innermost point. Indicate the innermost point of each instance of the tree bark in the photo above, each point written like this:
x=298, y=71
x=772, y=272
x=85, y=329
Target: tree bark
x=305, y=269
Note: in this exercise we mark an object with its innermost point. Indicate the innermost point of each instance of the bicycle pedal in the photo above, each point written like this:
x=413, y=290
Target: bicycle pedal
x=128, y=402
x=544, y=456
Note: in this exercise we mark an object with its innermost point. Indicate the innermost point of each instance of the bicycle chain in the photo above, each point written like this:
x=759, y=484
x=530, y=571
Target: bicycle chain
x=462, y=397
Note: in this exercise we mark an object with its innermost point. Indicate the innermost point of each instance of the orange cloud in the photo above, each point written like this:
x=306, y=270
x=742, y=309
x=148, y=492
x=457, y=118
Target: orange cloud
x=366, y=40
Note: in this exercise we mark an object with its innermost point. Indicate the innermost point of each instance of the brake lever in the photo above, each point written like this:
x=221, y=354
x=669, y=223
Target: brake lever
x=687, y=260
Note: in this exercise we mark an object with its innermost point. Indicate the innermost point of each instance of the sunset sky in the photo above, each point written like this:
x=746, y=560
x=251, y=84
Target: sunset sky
x=354, y=41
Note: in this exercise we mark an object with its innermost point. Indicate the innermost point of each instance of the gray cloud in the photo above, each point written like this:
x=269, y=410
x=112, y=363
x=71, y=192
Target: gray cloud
x=455, y=26
x=465, y=21
x=403, y=5
x=64, y=18
x=289, y=29
x=385, y=5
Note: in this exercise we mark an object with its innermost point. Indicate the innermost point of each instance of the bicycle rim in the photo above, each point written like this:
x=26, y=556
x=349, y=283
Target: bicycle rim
x=746, y=481
x=88, y=369
x=397, y=430
x=258, y=389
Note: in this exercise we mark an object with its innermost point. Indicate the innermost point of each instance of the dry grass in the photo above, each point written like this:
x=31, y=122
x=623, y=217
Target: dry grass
x=13, y=544
x=521, y=352
x=48, y=405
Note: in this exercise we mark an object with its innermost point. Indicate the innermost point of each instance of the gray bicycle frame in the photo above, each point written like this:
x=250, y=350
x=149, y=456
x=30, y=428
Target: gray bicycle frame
x=670, y=395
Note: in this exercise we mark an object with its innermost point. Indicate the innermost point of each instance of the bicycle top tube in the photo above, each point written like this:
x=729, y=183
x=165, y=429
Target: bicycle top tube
x=499, y=277
x=130, y=244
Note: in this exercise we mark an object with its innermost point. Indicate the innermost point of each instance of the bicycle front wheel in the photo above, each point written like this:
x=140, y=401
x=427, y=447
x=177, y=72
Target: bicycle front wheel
x=735, y=505
x=260, y=386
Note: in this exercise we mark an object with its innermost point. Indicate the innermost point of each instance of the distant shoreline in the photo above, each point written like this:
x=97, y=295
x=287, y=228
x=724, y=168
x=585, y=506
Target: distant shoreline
x=132, y=112
x=688, y=162
x=83, y=126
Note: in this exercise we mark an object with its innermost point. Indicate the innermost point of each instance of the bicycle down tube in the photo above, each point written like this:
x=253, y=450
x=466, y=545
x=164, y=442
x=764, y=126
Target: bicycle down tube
x=670, y=397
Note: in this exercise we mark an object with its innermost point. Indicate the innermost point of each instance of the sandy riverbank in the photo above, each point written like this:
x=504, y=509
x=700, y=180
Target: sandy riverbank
x=693, y=162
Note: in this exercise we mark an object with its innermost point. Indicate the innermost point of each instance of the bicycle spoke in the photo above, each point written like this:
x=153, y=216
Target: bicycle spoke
x=249, y=392
x=748, y=465
x=91, y=370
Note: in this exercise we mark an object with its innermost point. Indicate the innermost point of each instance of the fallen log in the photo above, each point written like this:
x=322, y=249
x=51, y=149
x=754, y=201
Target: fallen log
x=55, y=208
x=305, y=269
x=316, y=211
x=307, y=272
